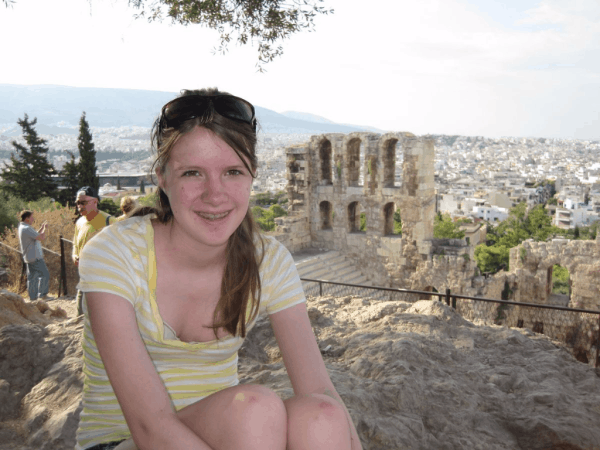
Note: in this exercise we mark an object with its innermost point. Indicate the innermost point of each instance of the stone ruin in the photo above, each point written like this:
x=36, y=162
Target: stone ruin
x=334, y=178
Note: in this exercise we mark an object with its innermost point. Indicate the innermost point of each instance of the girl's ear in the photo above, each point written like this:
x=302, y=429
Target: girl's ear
x=161, y=178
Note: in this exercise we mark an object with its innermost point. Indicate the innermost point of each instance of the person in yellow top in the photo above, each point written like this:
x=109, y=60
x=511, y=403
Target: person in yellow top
x=91, y=221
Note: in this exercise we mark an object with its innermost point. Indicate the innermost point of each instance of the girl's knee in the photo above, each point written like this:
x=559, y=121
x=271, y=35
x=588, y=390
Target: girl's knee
x=259, y=412
x=317, y=419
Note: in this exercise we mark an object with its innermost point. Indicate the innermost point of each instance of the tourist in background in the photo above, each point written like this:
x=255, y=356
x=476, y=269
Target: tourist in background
x=91, y=221
x=128, y=204
x=38, y=277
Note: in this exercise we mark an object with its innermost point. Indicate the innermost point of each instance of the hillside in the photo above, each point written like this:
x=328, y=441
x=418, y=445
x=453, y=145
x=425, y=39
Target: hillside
x=54, y=105
x=414, y=376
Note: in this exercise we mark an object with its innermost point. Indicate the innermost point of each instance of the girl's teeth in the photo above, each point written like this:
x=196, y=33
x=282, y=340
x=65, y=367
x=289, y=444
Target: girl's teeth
x=213, y=216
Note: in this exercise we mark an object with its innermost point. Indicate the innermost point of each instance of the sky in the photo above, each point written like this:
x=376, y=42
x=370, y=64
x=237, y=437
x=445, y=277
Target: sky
x=470, y=67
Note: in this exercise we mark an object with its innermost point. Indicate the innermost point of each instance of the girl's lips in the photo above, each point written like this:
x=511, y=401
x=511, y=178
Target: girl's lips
x=209, y=216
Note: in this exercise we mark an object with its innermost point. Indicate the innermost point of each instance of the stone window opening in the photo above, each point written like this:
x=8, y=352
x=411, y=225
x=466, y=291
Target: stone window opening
x=326, y=215
x=325, y=155
x=392, y=223
x=355, y=162
x=389, y=163
x=357, y=218
x=559, y=285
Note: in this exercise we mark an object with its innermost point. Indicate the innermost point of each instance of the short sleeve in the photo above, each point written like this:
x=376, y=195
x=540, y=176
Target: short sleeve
x=29, y=232
x=280, y=282
x=105, y=266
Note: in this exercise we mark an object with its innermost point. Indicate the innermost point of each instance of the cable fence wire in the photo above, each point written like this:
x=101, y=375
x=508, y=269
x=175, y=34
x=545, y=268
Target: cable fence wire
x=578, y=329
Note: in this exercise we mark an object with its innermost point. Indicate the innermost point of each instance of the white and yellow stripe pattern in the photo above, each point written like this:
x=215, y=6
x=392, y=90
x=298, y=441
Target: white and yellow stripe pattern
x=121, y=261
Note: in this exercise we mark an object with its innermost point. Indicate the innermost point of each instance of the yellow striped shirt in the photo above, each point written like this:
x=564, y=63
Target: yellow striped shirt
x=120, y=260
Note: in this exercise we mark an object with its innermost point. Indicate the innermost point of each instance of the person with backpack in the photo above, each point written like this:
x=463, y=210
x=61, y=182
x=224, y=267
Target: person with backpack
x=92, y=220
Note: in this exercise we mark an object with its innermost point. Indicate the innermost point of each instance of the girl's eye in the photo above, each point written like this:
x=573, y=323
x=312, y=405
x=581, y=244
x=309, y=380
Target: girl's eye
x=190, y=173
x=234, y=172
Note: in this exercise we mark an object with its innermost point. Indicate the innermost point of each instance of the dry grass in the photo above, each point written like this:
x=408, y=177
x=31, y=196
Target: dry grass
x=60, y=222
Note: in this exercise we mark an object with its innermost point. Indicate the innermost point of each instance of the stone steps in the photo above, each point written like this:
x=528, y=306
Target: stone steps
x=330, y=266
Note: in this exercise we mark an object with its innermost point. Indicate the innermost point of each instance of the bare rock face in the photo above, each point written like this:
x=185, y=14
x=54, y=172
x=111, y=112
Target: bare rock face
x=40, y=375
x=419, y=376
x=413, y=376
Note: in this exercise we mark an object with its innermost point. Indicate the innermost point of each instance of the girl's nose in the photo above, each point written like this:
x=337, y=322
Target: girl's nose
x=214, y=190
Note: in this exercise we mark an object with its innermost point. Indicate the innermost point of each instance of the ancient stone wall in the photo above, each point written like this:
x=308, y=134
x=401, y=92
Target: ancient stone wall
x=335, y=178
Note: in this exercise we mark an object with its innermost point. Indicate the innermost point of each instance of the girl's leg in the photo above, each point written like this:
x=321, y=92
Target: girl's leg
x=316, y=422
x=248, y=417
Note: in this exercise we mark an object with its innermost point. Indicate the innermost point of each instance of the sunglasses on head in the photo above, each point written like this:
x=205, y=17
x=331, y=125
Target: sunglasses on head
x=177, y=111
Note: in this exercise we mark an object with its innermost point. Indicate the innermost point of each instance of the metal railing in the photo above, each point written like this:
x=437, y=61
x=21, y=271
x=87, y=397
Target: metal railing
x=62, y=283
x=578, y=328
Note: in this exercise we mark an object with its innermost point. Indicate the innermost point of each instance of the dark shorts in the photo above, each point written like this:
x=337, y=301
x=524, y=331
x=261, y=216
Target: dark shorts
x=106, y=445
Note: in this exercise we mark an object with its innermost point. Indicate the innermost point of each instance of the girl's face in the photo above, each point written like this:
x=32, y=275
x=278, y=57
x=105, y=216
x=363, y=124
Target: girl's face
x=208, y=187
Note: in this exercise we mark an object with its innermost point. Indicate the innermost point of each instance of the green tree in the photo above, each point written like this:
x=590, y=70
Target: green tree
x=560, y=280
x=87, y=161
x=70, y=176
x=262, y=22
x=29, y=176
x=110, y=207
x=445, y=228
x=397, y=222
x=363, y=222
x=490, y=259
x=265, y=218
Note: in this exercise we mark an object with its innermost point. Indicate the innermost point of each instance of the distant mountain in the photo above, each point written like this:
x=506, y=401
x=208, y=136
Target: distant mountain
x=62, y=105
x=318, y=119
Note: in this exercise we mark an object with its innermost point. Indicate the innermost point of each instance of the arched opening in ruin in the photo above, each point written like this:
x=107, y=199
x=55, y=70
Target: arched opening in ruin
x=372, y=168
x=389, y=162
x=426, y=296
x=559, y=285
x=326, y=166
x=355, y=156
x=357, y=218
x=392, y=223
x=325, y=211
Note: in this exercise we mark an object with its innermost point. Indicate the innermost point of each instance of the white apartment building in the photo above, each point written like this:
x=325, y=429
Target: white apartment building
x=490, y=213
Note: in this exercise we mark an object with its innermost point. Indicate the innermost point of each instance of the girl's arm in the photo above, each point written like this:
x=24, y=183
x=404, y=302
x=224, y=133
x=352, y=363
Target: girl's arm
x=141, y=394
x=302, y=358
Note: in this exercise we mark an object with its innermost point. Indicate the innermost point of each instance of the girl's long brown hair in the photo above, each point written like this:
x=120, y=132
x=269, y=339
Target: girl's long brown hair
x=241, y=279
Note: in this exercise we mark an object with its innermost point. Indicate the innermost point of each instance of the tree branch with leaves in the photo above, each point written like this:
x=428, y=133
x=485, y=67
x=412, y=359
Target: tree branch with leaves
x=264, y=22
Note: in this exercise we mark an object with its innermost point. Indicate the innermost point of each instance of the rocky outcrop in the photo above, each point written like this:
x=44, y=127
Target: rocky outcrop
x=413, y=376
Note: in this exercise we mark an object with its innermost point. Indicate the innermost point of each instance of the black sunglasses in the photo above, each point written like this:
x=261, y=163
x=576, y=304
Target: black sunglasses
x=177, y=111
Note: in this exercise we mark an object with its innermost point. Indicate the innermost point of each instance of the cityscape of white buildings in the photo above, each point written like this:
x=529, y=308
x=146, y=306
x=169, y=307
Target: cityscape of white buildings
x=476, y=177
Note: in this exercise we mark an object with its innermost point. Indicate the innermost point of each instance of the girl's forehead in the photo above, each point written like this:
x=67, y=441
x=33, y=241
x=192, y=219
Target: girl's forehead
x=203, y=149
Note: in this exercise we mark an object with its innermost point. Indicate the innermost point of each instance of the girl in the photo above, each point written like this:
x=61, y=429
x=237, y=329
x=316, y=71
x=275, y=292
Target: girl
x=171, y=293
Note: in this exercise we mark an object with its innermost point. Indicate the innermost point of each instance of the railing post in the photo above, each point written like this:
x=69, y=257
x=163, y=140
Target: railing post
x=448, y=297
x=63, y=268
x=454, y=302
x=320, y=289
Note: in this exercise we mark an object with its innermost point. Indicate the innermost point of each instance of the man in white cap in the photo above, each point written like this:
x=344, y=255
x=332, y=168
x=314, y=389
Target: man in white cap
x=91, y=221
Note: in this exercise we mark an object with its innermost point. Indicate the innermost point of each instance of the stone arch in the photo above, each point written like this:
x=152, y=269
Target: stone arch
x=389, y=162
x=325, y=211
x=355, y=161
x=390, y=211
x=355, y=212
x=325, y=155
